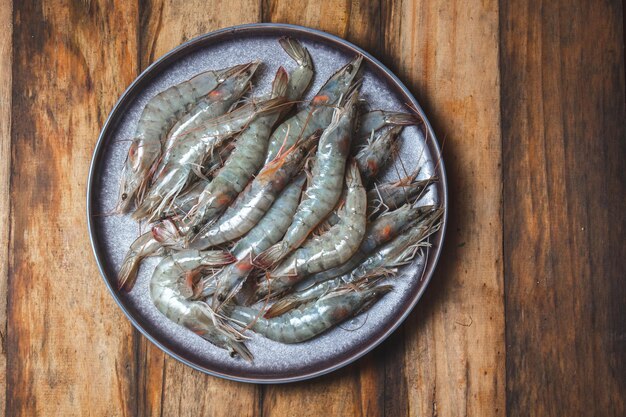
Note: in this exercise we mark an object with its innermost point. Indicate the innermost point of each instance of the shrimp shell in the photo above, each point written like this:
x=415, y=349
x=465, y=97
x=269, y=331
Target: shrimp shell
x=268, y=231
x=313, y=318
x=242, y=164
x=329, y=250
x=318, y=114
x=384, y=261
x=252, y=204
x=157, y=118
x=170, y=289
x=325, y=188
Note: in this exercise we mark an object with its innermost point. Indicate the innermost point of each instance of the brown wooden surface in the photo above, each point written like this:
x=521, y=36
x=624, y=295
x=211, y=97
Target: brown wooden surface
x=526, y=314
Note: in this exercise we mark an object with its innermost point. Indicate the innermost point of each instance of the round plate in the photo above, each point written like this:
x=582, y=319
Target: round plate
x=112, y=235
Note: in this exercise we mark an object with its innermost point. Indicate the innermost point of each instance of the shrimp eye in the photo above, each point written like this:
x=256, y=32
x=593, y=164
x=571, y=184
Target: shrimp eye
x=349, y=68
x=124, y=196
x=195, y=229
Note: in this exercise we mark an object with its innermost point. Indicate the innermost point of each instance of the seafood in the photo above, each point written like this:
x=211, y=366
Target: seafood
x=248, y=156
x=389, y=196
x=252, y=204
x=267, y=232
x=171, y=287
x=331, y=249
x=315, y=317
x=381, y=230
x=159, y=115
x=155, y=243
x=325, y=187
x=377, y=119
x=377, y=153
x=384, y=261
x=318, y=114
x=242, y=164
x=187, y=155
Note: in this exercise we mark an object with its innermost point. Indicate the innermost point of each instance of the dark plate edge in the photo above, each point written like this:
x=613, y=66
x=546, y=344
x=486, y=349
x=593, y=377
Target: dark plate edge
x=431, y=143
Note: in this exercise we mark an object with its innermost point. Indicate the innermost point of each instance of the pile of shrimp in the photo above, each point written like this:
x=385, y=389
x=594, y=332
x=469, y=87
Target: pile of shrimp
x=267, y=211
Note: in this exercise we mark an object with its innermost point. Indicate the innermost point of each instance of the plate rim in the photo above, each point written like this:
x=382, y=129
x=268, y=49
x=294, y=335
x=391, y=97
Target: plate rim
x=281, y=28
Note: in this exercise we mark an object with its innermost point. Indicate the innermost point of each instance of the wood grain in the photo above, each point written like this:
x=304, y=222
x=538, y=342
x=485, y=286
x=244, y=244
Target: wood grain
x=564, y=186
x=6, y=60
x=165, y=386
x=68, y=344
x=454, y=344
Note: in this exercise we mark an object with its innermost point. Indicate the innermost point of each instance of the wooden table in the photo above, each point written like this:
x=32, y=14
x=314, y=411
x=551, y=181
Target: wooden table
x=527, y=312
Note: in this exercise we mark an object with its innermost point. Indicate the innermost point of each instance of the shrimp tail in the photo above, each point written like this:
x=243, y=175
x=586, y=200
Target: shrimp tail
x=128, y=272
x=402, y=119
x=269, y=258
x=279, y=85
x=296, y=51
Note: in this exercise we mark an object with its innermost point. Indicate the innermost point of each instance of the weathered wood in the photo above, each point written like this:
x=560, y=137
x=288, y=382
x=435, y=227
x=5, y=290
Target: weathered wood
x=6, y=59
x=564, y=148
x=166, y=387
x=447, y=52
x=68, y=344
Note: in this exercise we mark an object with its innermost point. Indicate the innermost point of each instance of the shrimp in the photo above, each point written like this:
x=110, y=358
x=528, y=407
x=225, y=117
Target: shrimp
x=377, y=119
x=157, y=242
x=326, y=184
x=380, y=231
x=389, y=196
x=188, y=154
x=252, y=204
x=377, y=153
x=318, y=114
x=329, y=250
x=217, y=103
x=268, y=231
x=385, y=260
x=171, y=287
x=159, y=115
x=315, y=317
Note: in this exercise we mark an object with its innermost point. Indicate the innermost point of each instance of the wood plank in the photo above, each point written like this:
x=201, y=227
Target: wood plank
x=564, y=187
x=6, y=60
x=454, y=358
x=69, y=347
x=166, y=387
x=359, y=389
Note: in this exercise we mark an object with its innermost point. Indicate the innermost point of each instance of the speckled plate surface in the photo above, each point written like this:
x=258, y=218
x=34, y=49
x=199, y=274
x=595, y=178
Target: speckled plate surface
x=112, y=235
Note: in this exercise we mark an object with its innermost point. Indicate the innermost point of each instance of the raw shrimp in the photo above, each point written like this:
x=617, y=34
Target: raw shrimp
x=377, y=119
x=384, y=261
x=187, y=155
x=157, y=118
x=318, y=114
x=380, y=231
x=331, y=249
x=267, y=232
x=217, y=103
x=313, y=318
x=251, y=205
x=171, y=287
x=325, y=187
x=377, y=153
x=157, y=242
x=389, y=196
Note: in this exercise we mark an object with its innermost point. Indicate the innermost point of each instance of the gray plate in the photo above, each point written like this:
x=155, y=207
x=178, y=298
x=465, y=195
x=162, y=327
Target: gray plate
x=112, y=235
